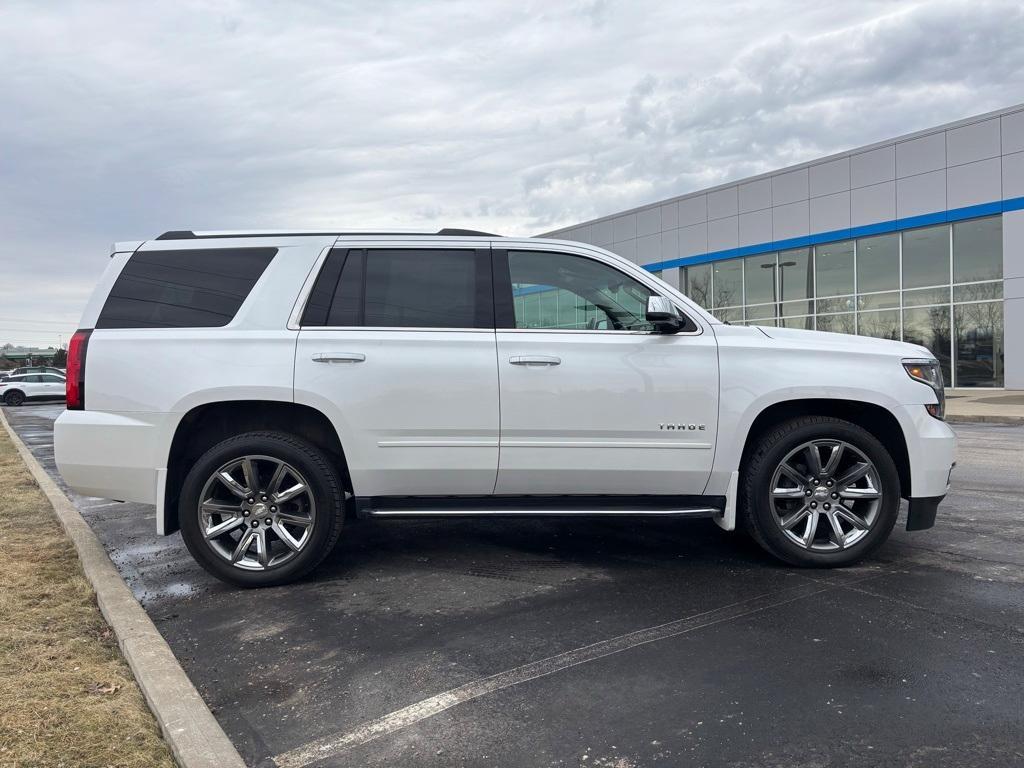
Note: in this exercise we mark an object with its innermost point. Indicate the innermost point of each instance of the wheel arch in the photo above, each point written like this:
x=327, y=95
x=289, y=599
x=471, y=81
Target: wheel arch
x=206, y=425
x=876, y=419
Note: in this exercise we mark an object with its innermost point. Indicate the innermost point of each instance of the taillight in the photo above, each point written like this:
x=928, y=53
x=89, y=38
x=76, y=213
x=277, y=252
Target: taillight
x=75, y=381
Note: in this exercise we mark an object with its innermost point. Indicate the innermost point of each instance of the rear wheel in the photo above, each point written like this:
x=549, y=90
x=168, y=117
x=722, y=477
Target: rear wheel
x=261, y=509
x=14, y=398
x=819, y=491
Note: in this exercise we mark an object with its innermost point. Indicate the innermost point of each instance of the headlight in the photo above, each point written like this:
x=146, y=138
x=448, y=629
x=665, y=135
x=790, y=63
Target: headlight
x=929, y=372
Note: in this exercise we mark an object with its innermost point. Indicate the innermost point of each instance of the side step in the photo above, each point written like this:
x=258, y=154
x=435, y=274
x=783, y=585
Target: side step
x=540, y=506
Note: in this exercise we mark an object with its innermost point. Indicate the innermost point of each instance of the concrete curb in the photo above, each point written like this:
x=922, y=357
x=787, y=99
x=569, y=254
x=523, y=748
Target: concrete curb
x=194, y=735
x=967, y=419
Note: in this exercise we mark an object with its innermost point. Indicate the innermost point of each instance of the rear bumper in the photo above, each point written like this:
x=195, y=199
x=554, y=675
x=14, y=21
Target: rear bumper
x=110, y=455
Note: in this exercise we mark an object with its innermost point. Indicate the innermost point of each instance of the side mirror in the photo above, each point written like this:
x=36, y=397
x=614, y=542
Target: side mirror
x=662, y=315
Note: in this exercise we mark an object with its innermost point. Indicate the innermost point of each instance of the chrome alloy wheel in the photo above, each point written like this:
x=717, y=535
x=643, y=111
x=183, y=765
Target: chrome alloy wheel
x=256, y=512
x=826, y=495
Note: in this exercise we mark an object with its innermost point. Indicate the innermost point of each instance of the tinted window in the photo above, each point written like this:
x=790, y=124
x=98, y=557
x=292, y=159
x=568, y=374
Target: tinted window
x=347, y=306
x=403, y=288
x=51, y=378
x=319, y=303
x=336, y=298
x=196, y=288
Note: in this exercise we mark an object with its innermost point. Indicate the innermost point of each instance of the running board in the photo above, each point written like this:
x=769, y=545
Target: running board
x=687, y=512
x=542, y=506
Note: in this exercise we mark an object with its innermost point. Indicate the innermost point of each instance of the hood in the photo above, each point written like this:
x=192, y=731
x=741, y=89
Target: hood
x=838, y=341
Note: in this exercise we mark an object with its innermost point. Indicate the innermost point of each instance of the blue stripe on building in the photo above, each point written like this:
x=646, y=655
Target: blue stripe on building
x=882, y=227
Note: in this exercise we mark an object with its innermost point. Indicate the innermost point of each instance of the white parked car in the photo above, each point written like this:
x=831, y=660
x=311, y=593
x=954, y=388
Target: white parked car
x=20, y=388
x=40, y=369
x=256, y=386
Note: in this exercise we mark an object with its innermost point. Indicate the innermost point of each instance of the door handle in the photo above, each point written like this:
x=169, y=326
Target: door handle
x=535, y=360
x=339, y=357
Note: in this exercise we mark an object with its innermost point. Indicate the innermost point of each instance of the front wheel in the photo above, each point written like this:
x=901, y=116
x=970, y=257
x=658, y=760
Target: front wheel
x=261, y=509
x=14, y=398
x=820, y=492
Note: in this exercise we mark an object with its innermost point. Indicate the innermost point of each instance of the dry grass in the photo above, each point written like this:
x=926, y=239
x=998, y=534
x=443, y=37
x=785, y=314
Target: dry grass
x=67, y=697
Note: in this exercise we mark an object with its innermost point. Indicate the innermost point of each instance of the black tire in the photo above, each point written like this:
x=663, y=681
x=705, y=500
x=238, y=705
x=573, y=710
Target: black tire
x=325, y=486
x=755, y=504
x=14, y=398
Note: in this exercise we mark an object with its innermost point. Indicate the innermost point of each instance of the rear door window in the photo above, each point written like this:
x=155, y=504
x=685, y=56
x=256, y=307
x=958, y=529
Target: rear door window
x=194, y=288
x=403, y=288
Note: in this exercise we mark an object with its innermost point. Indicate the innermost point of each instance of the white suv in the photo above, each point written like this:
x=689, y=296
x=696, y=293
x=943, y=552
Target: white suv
x=255, y=387
x=20, y=388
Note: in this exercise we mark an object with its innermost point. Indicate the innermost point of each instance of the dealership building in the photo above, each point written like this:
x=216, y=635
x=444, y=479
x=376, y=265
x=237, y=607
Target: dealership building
x=919, y=238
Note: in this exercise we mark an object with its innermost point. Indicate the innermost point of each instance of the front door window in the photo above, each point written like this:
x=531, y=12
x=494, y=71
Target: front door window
x=560, y=291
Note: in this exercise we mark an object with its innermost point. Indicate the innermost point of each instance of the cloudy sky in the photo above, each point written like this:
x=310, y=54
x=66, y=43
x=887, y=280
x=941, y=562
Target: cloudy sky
x=125, y=119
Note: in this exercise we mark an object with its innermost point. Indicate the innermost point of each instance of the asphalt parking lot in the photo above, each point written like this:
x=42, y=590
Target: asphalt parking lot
x=607, y=643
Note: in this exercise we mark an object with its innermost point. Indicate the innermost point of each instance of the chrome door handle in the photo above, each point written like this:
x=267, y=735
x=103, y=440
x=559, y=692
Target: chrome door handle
x=535, y=360
x=339, y=357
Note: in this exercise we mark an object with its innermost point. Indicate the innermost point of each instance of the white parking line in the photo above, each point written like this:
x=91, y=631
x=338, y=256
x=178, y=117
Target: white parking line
x=331, y=746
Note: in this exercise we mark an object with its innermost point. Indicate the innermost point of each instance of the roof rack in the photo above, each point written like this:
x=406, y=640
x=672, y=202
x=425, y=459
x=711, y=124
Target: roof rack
x=188, y=234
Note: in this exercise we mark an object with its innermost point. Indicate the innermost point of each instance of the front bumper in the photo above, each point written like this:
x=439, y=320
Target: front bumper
x=931, y=450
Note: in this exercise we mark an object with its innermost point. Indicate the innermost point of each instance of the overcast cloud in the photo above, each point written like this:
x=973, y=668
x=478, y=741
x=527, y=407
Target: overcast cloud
x=122, y=120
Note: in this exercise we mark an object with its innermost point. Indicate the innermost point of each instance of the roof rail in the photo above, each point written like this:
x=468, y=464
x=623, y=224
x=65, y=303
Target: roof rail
x=464, y=233
x=188, y=234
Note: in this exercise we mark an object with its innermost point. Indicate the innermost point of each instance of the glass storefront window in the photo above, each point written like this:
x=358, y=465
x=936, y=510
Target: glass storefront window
x=761, y=312
x=881, y=325
x=842, y=323
x=759, y=279
x=698, y=284
x=979, y=344
x=728, y=283
x=548, y=309
x=888, y=300
x=926, y=257
x=878, y=263
x=929, y=327
x=839, y=304
x=790, y=308
x=925, y=296
x=978, y=291
x=834, y=268
x=949, y=299
x=796, y=275
x=806, y=323
x=978, y=250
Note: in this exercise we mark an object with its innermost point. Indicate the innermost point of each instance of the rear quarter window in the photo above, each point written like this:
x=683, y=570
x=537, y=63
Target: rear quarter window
x=194, y=288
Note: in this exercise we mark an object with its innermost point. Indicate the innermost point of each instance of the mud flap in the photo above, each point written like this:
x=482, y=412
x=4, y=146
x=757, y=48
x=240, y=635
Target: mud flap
x=921, y=514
